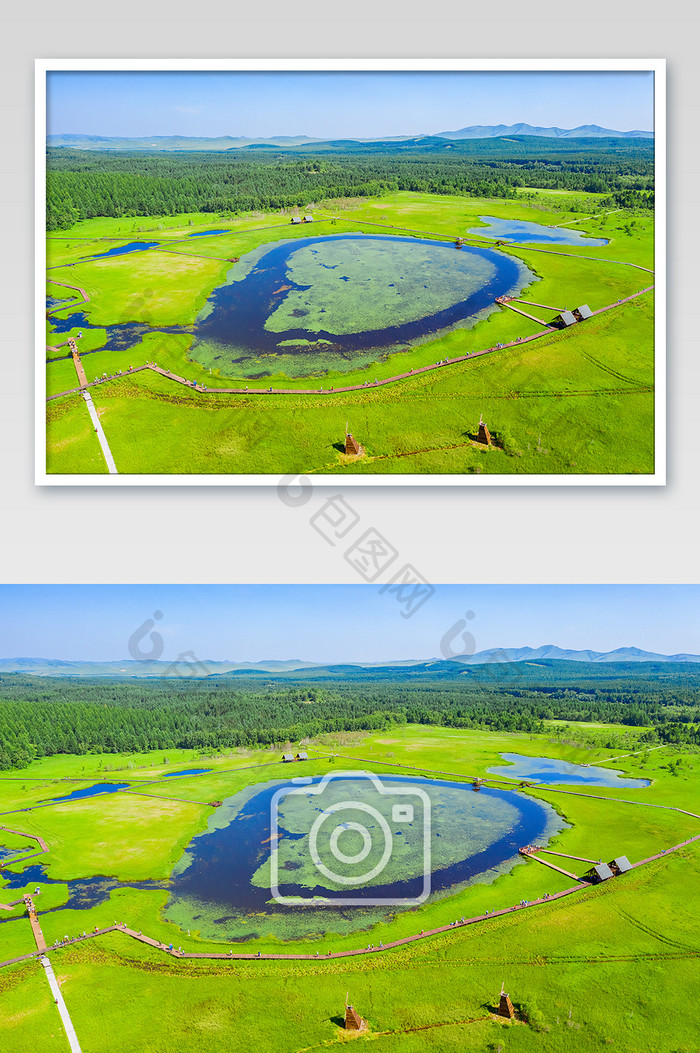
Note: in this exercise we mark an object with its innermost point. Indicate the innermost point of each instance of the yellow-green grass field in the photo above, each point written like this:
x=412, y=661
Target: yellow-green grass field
x=602, y=967
x=574, y=402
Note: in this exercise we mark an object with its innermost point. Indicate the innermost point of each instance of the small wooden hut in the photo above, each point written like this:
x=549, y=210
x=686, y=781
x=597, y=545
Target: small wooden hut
x=565, y=319
x=600, y=872
x=620, y=865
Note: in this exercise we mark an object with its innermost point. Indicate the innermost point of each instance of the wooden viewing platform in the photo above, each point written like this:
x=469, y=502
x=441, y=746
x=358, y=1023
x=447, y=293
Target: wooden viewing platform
x=546, y=863
x=565, y=855
x=547, y=306
x=532, y=317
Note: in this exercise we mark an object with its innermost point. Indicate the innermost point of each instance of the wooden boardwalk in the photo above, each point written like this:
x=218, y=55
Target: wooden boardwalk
x=65, y=285
x=203, y=389
x=330, y=955
x=540, y=321
x=82, y=379
x=34, y=922
x=532, y=303
x=372, y=949
x=565, y=855
x=529, y=854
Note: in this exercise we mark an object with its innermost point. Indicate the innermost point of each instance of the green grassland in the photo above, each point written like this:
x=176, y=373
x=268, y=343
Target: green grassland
x=600, y=967
x=71, y=437
x=150, y=287
x=575, y=402
x=30, y=1020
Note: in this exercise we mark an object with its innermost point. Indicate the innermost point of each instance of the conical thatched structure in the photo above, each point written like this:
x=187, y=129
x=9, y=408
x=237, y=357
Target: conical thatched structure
x=353, y=1020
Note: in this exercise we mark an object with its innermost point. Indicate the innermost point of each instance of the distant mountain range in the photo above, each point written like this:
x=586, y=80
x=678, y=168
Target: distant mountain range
x=557, y=654
x=499, y=131
x=443, y=667
x=304, y=142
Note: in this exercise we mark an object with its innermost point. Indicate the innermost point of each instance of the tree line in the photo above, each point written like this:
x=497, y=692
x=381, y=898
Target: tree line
x=44, y=716
x=89, y=184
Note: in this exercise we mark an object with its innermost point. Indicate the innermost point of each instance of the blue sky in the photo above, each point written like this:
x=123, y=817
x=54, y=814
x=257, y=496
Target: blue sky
x=325, y=104
x=331, y=623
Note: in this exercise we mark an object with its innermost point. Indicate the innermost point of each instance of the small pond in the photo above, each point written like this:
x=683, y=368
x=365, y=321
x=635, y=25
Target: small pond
x=83, y=893
x=531, y=233
x=120, y=336
x=187, y=771
x=92, y=791
x=23, y=850
x=549, y=771
x=205, y=233
x=122, y=250
x=222, y=884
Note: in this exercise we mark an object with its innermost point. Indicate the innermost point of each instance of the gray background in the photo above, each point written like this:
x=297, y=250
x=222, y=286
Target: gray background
x=499, y=534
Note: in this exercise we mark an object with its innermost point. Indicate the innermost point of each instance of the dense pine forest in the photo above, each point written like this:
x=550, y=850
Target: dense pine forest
x=85, y=184
x=42, y=716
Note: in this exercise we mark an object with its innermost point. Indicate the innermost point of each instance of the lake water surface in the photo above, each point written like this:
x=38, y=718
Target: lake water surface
x=122, y=250
x=299, y=305
x=532, y=233
x=550, y=771
x=187, y=771
x=83, y=893
x=93, y=791
x=222, y=883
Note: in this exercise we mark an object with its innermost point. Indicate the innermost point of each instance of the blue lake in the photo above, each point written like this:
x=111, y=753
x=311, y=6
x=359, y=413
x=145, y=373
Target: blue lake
x=205, y=233
x=187, y=771
x=346, y=299
x=93, y=791
x=222, y=883
x=551, y=772
x=531, y=233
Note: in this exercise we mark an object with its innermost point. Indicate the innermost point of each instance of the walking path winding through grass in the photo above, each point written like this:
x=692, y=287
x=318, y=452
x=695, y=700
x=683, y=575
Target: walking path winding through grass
x=331, y=955
x=202, y=389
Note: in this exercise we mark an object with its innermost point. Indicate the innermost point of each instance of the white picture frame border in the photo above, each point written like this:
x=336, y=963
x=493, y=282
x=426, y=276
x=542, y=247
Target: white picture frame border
x=657, y=66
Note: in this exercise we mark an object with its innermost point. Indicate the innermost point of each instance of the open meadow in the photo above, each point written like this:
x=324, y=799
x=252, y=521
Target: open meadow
x=600, y=966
